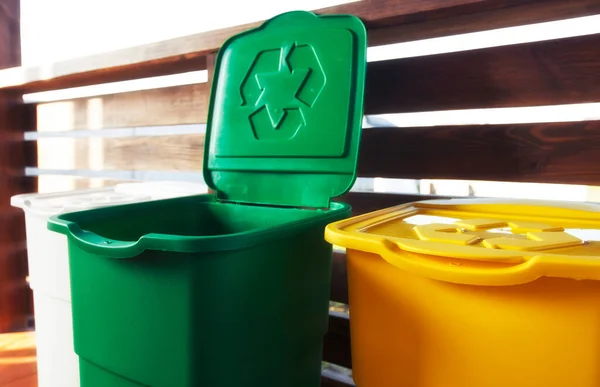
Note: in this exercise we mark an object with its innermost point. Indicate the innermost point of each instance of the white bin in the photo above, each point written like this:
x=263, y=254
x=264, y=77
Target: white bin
x=48, y=259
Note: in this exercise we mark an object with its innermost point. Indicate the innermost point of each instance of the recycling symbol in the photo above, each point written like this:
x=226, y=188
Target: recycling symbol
x=279, y=89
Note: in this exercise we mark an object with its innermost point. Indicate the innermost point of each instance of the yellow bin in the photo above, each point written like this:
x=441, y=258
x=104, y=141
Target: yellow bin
x=474, y=293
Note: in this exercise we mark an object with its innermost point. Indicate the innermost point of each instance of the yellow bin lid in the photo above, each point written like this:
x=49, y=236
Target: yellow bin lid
x=480, y=241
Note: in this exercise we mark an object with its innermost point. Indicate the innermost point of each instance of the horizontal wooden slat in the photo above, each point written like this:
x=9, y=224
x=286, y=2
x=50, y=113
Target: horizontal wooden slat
x=544, y=73
x=548, y=152
x=508, y=16
x=545, y=153
x=166, y=106
x=385, y=13
x=148, y=61
x=188, y=53
x=183, y=152
x=165, y=153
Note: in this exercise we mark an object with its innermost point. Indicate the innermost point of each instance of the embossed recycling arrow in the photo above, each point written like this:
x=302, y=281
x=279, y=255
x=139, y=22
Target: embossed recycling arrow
x=281, y=86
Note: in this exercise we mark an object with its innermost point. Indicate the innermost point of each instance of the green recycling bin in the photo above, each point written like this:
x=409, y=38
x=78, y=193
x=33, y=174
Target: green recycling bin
x=231, y=289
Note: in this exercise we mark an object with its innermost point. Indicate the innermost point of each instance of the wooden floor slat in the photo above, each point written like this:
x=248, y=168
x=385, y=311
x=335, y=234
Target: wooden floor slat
x=28, y=381
x=17, y=360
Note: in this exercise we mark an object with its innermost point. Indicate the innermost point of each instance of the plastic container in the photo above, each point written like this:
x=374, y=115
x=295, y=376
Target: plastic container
x=232, y=289
x=473, y=293
x=49, y=267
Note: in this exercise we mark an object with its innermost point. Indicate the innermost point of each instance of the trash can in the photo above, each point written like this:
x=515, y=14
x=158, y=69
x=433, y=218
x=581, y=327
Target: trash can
x=473, y=293
x=231, y=289
x=49, y=266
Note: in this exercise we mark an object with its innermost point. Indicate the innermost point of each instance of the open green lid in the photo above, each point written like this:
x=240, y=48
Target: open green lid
x=286, y=111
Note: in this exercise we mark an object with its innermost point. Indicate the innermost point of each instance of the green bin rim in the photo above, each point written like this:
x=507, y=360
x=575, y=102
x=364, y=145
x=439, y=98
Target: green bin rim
x=96, y=244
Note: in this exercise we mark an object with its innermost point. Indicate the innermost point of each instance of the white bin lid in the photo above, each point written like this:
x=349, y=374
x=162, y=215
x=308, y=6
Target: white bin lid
x=78, y=200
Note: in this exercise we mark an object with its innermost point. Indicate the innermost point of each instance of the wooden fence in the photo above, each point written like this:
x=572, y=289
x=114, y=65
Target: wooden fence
x=155, y=133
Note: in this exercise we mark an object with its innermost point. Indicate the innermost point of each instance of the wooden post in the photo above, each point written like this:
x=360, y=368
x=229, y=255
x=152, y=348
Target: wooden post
x=15, y=297
x=210, y=67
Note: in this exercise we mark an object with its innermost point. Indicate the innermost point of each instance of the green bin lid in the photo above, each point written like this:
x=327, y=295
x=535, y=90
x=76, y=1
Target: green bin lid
x=286, y=111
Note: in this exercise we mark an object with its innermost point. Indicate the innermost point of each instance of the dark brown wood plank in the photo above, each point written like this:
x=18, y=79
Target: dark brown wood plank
x=509, y=16
x=210, y=68
x=14, y=156
x=187, y=104
x=544, y=73
x=10, y=34
x=383, y=17
x=383, y=13
x=544, y=153
x=167, y=106
x=565, y=153
x=181, y=153
x=210, y=64
x=153, y=60
x=165, y=153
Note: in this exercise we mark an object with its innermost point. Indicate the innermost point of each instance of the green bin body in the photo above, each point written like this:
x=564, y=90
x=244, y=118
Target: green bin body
x=239, y=297
x=231, y=289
